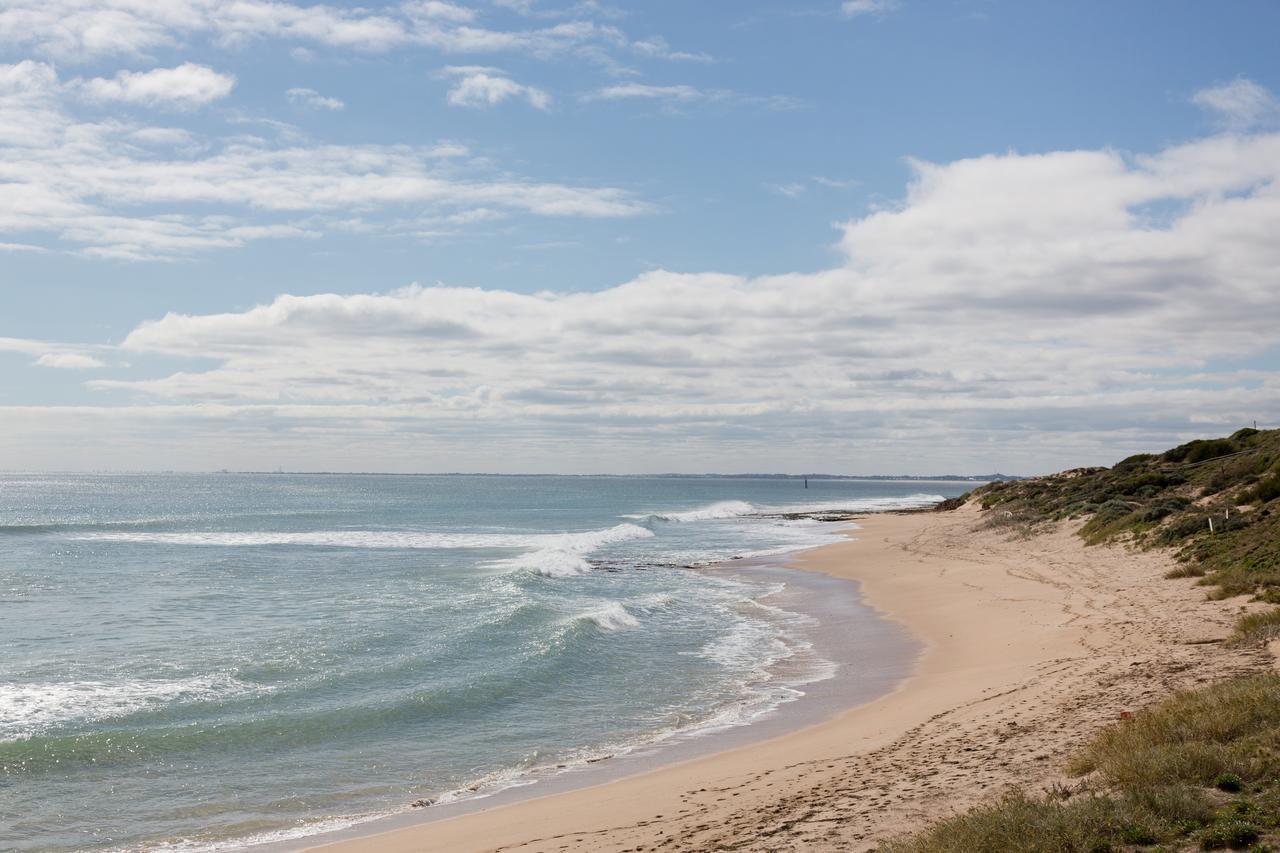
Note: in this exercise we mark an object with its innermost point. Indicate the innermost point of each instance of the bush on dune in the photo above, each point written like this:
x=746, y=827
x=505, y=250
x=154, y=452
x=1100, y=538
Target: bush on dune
x=1159, y=777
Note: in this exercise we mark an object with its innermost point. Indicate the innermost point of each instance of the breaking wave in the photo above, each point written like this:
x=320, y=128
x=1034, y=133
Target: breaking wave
x=565, y=554
x=721, y=509
x=612, y=616
x=740, y=509
x=547, y=554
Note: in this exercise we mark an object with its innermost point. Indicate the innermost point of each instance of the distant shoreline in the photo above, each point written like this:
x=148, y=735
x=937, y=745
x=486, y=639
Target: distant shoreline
x=909, y=478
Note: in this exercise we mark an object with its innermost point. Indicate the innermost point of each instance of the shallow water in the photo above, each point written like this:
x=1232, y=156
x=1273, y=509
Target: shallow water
x=203, y=660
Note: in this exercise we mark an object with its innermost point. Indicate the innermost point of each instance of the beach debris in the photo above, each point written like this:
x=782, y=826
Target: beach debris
x=423, y=803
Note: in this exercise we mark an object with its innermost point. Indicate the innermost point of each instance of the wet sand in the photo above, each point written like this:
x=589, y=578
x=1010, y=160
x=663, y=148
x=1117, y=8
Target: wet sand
x=1028, y=646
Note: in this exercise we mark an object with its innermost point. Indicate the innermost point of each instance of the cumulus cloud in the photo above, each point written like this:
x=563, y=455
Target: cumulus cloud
x=315, y=100
x=88, y=183
x=1240, y=104
x=184, y=87
x=1026, y=309
x=481, y=86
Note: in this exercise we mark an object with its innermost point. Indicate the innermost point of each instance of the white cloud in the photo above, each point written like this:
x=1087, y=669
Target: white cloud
x=790, y=190
x=667, y=93
x=854, y=8
x=656, y=47
x=184, y=87
x=443, y=11
x=53, y=355
x=1010, y=308
x=78, y=30
x=836, y=183
x=69, y=361
x=481, y=86
x=686, y=94
x=89, y=183
x=1240, y=104
x=315, y=100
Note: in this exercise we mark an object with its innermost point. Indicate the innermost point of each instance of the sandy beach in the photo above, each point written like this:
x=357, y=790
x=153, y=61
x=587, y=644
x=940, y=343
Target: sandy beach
x=1029, y=646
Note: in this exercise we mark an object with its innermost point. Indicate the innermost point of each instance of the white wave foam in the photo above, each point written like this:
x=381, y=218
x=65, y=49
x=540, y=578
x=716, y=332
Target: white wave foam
x=275, y=836
x=611, y=617
x=722, y=509
x=548, y=554
x=858, y=504
x=569, y=543
x=27, y=709
x=560, y=555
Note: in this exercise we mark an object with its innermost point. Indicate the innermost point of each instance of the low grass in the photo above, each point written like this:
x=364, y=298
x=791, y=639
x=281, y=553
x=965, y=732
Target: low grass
x=1193, y=738
x=1255, y=629
x=1199, y=770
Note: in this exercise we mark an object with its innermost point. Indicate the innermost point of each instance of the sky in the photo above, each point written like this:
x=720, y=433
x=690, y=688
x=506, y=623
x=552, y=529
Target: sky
x=545, y=236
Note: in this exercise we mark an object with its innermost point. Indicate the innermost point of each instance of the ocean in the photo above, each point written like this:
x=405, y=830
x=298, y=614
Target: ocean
x=203, y=662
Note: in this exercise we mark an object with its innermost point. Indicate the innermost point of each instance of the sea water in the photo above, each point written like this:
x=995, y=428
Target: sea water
x=210, y=661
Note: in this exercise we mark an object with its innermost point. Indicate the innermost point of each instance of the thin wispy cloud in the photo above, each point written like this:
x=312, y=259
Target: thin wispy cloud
x=791, y=190
x=796, y=189
x=311, y=98
x=1240, y=105
x=69, y=361
x=656, y=47
x=683, y=94
x=836, y=183
x=855, y=8
x=75, y=181
x=61, y=356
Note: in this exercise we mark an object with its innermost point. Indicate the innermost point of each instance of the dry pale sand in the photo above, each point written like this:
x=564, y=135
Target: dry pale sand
x=1030, y=646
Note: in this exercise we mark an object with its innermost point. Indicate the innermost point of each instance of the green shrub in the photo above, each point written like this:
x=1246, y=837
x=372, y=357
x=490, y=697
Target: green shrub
x=1180, y=528
x=1229, y=782
x=1200, y=450
x=1133, y=461
x=1164, y=508
x=1232, y=833
x=1263, y=491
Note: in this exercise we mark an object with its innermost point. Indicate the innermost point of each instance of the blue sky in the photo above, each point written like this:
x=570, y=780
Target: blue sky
x=861, y=236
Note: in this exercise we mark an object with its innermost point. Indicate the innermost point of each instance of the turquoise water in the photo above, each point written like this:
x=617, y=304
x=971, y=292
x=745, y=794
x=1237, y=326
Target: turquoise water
x=209, y=660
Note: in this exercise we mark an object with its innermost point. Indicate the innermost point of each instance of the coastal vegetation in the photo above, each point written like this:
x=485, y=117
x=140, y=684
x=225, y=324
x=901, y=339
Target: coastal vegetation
x=1216, y=501
x=1202, y=769
x=1198, y=771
